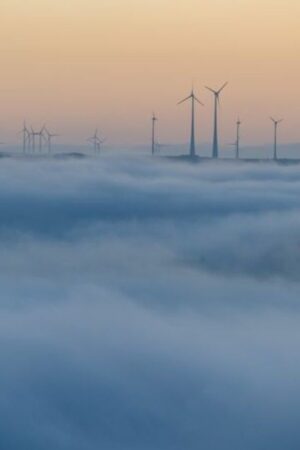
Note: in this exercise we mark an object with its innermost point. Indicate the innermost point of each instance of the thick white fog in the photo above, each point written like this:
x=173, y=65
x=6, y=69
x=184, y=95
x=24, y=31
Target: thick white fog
x=149, y=305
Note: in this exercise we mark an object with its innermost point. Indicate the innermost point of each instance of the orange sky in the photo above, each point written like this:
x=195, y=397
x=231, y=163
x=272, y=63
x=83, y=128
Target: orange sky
x=78, y=64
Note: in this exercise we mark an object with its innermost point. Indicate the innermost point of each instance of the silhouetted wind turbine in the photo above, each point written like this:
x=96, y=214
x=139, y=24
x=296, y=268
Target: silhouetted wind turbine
x=26, y=137
x=215, y=149
x=154, y=120
x=192, y=142
x=34, y=134
x=49, y=137
x=41, y=137
x=96, y=141
x=276, y=123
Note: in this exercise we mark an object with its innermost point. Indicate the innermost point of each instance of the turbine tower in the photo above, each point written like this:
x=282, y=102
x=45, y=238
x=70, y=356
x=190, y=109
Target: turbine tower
x=238, y=138
x=192, y=141
x=154, y=120
x=215, y=149
x=26, y=137
x=33, y=135
x=41, y=137
x=94, y=140
x=99, y=144
x=276, y=123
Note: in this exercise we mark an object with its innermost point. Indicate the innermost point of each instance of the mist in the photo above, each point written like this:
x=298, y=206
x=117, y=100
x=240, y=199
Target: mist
x=148, y=304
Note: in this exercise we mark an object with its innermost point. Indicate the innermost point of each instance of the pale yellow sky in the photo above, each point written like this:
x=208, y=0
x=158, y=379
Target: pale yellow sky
x=77, y=64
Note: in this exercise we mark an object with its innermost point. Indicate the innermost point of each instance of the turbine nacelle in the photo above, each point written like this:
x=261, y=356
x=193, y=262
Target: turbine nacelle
x=276, y=122
x=217, y=92
x=192, y=96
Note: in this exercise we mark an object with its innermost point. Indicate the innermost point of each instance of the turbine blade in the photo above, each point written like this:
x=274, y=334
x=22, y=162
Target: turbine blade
x=197, y=100
x=211, y=90
x=223, y=87
x=184, y=100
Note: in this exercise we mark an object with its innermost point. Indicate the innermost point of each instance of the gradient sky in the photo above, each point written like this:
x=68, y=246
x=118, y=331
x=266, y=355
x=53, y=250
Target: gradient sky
x=78, y=64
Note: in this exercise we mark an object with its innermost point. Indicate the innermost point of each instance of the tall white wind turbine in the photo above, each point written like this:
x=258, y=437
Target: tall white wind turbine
x=192, y=140
x=215, y=148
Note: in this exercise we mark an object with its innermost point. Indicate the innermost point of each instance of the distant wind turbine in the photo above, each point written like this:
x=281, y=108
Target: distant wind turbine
x=26, y=137
x=33, y=135
x=96, y=141
x=49, y=137
x=154, y=120
x=41, y=137
x=192, y=141
x=276, y=123
x=215, y=149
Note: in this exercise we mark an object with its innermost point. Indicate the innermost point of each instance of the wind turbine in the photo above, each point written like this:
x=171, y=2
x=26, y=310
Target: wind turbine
x=192, y=142
x=49, y=137
x=96, y=141
x=215, y=149
x=41, y=137
x=33, y=135
x=154, y=120
x=276, y=123
x=26, y=137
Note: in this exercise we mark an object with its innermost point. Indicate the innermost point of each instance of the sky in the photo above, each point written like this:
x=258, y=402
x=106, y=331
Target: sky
x=149, y=305
x=109, y=63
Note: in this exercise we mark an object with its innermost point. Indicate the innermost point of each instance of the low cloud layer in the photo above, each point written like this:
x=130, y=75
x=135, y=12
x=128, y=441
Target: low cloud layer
x=149, y=305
